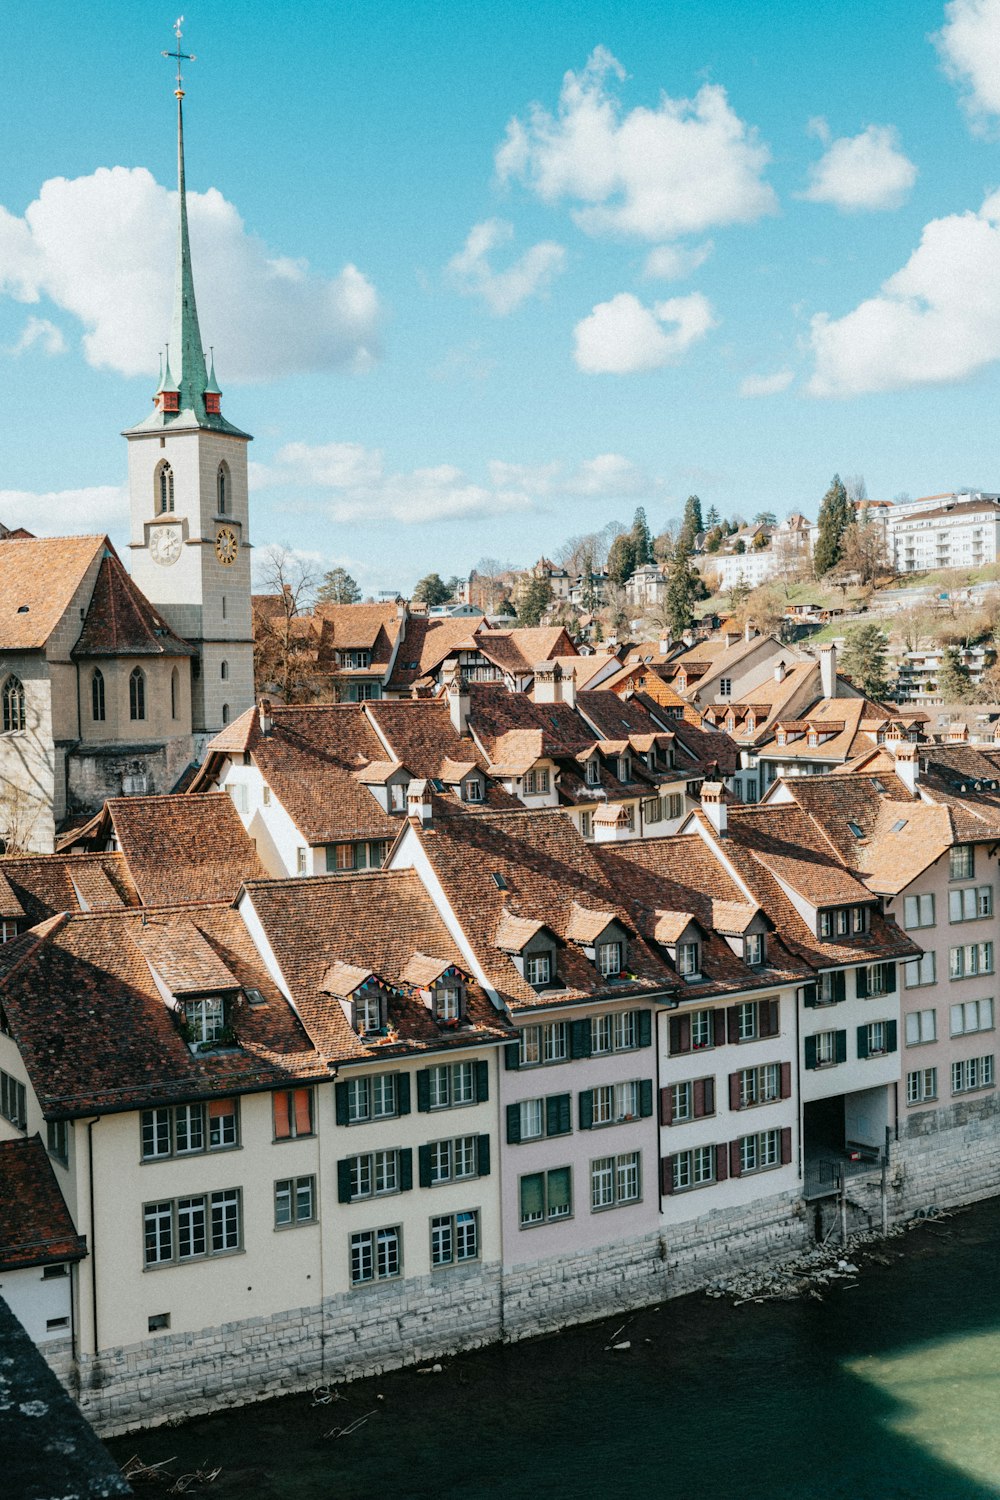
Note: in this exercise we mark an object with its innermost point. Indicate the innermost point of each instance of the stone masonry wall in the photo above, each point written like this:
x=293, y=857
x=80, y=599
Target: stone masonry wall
x=727, y=1241
x=946, y=1157
x=554, y=1293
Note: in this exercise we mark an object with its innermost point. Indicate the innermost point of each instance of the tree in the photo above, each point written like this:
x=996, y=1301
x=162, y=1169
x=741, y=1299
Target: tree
x=740, y=547
x=711, y=518
x=642, y=541
x=953, y=679
x=588, y=593
x=713, y=539
x=765, y=518
x=621, y=559
x=856, y=488
x=663, y=545
x=338, y=587
x=761, y=607
x=863, y=550
x=738, y=596
x=681, y=584
x=535, y=600
x=432, y=590
x=692, y=523
x=865, y=659
x=284, y=661
x=761, y=541
x=489, y=583
x=834, y=519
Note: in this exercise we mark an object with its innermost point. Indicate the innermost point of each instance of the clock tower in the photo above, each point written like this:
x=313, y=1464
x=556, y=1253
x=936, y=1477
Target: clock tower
x=189, y=504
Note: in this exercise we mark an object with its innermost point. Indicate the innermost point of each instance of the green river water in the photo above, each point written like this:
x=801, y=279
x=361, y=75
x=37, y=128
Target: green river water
x=887, y=1390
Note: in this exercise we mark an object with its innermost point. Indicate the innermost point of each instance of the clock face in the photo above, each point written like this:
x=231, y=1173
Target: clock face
x=226, y=545
x=165, y=545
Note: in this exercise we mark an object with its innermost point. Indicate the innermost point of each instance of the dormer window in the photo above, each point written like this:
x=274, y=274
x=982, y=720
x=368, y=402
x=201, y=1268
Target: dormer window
x=206, y=1020
x=610, y=959
x=593, y=772
x=753, y=949
x=536, y=782
x=688, y=960
x=369, y=1012
x=397, y=797
x=538, y=969
x=449, y=1001
x=780, y=737
x=624, y=768
x=213, y=404
x=812, y=738
x=474, y=790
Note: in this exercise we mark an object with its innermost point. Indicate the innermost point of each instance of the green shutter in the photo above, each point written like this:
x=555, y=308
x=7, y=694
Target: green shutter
x=405, y=1170
x=552, y=1115
x=841, y=1052
x=839, y=988
x=810, y=1045
x=423, y=1091
x=645, y=1028
x=890, y=979
x=579, y=1039
x=646, y=1095
x=862, y=984
x=809, y=994
x=586, y=1109
x=424, y=1165
x=862, y=1041
x=513, y=1124
x=403, y=1093
x=344, y=1180
x=340, y=1095
x=559, y=1191
x=483, y=1155
x=565, y=1113
x=482, y=1081
x=891, y=1036
x=512, y=1056
x=532, y=1197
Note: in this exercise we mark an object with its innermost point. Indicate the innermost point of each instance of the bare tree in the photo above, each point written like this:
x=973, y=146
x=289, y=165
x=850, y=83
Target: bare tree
x=284, y=660
x=19, y=813
x=856, y=488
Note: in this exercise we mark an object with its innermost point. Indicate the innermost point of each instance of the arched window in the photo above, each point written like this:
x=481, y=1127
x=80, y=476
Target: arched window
x=97, y=696
x=137, y=694
x=222, y=487
x=13, y=705
x=225, y=713
x=164, y=488
x=224, y=671
x=175, y=684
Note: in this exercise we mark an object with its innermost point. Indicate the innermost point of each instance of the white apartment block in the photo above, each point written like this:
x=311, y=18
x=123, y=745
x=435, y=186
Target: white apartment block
x=959, y=531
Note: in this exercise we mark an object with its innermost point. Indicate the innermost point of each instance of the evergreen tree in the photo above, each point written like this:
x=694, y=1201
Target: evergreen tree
x=432, y=590
x=866, y=660
x=338, y=587
x=954, y=681
x=692, y=523
x=588, y=594
x=535, y=601
x=621, y=558
x=642, y=541
x=834, y=518
x=681, y=587
x=713, y=540
x=711, y=518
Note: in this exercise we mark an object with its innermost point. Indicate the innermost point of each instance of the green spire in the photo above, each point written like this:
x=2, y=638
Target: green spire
x=185, y=335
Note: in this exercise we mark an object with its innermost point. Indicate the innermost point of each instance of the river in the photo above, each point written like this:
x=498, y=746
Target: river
x=885, y=1390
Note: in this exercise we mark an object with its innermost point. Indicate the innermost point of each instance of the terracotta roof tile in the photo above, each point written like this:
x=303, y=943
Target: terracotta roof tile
x=35, y=1225
x=44, y=884
x=184, y=848
x=38, y=581
x=182, y=957
x=121, y=621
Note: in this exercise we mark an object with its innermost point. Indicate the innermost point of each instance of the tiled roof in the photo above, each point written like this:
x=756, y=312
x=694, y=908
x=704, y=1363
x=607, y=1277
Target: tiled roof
x=182, y=957
x=585, y=668
x=35, y=1224
x=521, y=649
x=121, y=621
x=38, y=579
x=586, y=925
x=706, y=748
x=343, y=979
x=420, y=734
x=426, y=645
x=184, y=848
x=357, y=626
x=43, y=884
x=849, y=717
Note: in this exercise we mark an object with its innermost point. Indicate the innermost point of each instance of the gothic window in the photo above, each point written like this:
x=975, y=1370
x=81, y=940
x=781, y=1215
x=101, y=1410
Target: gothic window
x=225, y=713
x=137, y=694
x=224, y=671
x=164, y=488
x=222, y=486
x=175, y=682
x=13, y=705
x=97, y=696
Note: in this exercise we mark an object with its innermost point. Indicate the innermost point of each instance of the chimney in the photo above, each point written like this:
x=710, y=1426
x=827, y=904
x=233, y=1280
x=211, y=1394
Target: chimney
x=779, y=671
x=907, y=764
x=664, y=644
x=713, y=805
x=828, y=670
x=730, y=638
x=749, y=631
x=548, y=680
x=458, y=703
x=264, y=715
x=567, y=688
x=418, y=801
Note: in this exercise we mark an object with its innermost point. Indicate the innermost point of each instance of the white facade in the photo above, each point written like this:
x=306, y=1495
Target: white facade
x=961, y=532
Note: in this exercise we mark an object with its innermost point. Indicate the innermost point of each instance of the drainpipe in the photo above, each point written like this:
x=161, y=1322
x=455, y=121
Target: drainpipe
x=93, y=1229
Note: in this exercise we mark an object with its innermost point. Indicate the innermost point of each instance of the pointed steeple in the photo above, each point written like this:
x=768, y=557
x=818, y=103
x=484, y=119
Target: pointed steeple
x=185, y=335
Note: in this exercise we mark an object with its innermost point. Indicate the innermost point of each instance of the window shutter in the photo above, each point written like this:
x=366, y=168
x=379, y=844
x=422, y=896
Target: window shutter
x=735, y=1167
x=482, y=1081
x=403, y=1093
x=676, y=1041
x=862, y=1041
x=733, y=1024
x=344, y=1180
x=734, y=1091
x=513, y=1124
x=423, y=1091
x=645, y=1096
x=666, y=1106
x=890, y=978
x=809, y=994
x=645, y=1028
x=839, y=989
x=698, y=1097
x=483, y=1155
x=303, y=1111
x=282, y=1123
x=891, y=1036
x=553, y=1114
x=786, y=1080
x=586, y=1109
x=841, y=1053
x=862, y=983
x=810, y=1051
x=719, y=1027
x=340, y=1098
x=666, y=1175
x=709, y=1096
x=424, y=1162
x=769, y=1023
x=405, y=1170
x=721, y=1163
x=786, y=1145
x=579, y=1039
x=512, y=1056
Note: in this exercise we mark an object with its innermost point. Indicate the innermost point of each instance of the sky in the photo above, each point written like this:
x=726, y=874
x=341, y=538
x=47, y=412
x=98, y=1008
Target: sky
x=479, y=278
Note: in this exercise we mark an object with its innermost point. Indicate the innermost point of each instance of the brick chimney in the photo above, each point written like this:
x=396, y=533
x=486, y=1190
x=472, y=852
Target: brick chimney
x=713, y=805
x=459, y=702
x=828, y=670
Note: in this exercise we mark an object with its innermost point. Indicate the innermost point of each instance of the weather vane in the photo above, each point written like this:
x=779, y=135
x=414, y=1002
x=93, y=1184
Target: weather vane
x=179, y=56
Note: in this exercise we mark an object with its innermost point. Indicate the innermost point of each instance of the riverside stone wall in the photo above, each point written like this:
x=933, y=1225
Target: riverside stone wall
x=946, y=1157
x=726, y=1241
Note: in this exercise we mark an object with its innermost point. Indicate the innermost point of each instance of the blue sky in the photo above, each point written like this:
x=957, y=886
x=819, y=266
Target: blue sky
x=478, y=278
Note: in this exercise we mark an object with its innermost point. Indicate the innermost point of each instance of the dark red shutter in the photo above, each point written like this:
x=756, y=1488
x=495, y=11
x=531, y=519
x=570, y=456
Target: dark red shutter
x=735, y=1170
x=680, y=1034
x=719, y=1027
x=721, y=1163
x=666, y=1106
x=734, y=1091
x=786, y=1080
x=733, y=1020
x=666, y=1175
x=786, y=1145
x=768, y=1018
x=709, y=1096
x=699, y=1097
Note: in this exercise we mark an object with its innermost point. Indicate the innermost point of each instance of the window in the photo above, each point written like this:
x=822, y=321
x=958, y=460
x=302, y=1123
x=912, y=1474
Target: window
x=97, y=710
x=451, y=1085
x=533, y=1119
x=918, y=911
x=753, y=946
x=186, y=1129
x=373, y=1174
x=474, y=790
x=546, y=1196
x=13, y=705
x=876, y=1038
x=824, y=1049
x=972, y=1015
x=536, y=781
x=543, y=1044
x=376, y=1096
x=974, y=1073
x=455, y=1160
x=137, y=694
x=970, y=959
x=165, y=487
x=759, y=1152
x=962, y=862
x=8, y=931
x=369, y=1012
x=877, y=979
x=593, y=772
x=448, y=997
x=609, y=959
x=609, y=1104
x=376, y=1255
x=13, y=1101
x=266, y=795
x=538, y=969
x=692, y=1169
x=302, y=862
x=205, y=1018
x=189, y=1228
x=921, y=1085
x=175, y=689
x=921, y=1026
x=57, y=1134
x=224, y=671
x=971, y=902
x=222, y=489
x=675, y=805
x=920, y=971
x=688, y=960
x=826, y=924
x=586, y=825
x=614, y=1033
x=757, y=1085
x=294, y=1201
x=691, y=1100
x=652, y=810
x=454, y=1238
x=292, y=1113
x=624, y=768
x=725, y=687
x=614, y=1180
x=747, y=1022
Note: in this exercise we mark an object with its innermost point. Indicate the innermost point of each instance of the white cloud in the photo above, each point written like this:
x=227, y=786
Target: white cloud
x=860, y=173
x=624, y=336
x=503, y=291
x=937, y=319
x=969, y=45
x=681, y=168
x=95, y=508
x=42, y=332
x=102, y=248
x=674, y=262
x=767, y=385
x=608, y=476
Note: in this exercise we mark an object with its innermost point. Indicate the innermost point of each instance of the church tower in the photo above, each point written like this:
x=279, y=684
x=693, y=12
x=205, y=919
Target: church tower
x=189, y=503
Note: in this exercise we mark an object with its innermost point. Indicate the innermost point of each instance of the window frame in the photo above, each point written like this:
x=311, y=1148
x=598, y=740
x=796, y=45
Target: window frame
x=452, y=1230
x=380, y=1250
x=195, y=1217
x=292, y=1187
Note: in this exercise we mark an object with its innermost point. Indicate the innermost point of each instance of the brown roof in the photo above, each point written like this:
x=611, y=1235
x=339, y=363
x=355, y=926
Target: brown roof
x=419, y=733
x=182, y=957
x=38, y=580
x=426, y=644
x=35, y=1225
x=121, y=621
x=37, y=886
x=521, y=649
x=183, y=848
x=357, y=626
